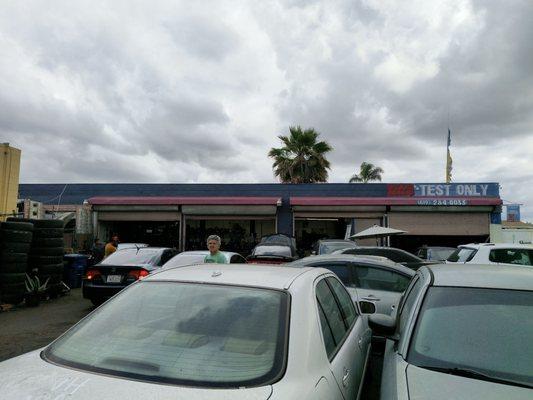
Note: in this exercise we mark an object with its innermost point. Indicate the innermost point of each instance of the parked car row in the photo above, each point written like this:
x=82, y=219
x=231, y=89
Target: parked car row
x=218, y=331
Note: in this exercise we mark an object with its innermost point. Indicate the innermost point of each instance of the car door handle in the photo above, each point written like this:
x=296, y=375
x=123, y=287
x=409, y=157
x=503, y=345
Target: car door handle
x=345, y=377
x=370, y=298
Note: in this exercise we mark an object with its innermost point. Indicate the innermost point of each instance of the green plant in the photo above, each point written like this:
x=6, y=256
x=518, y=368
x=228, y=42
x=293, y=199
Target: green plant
x=33, y=285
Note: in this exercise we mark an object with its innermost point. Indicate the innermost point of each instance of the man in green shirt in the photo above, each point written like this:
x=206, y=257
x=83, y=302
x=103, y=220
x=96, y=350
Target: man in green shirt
x=215, y=255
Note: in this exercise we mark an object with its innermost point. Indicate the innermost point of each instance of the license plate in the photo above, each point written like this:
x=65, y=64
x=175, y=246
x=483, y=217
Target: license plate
x=114, y=278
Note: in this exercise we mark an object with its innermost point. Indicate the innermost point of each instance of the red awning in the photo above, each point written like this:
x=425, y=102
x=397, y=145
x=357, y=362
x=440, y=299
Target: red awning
x=171, y=200
x=394, y=201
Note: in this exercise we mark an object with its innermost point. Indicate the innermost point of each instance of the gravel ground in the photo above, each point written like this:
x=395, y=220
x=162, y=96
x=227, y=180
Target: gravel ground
x=26, y=329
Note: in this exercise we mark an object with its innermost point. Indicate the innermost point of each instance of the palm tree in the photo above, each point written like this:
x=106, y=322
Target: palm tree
x=368, y=173
x=301, y=159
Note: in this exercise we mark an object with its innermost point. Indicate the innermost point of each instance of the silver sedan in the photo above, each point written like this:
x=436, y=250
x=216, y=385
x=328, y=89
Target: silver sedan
x=462, y=332
x=368, y=278
x=207, y=332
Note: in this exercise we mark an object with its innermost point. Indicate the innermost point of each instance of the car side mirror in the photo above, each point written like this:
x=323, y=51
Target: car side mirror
x=367, y=307
x=383, y=325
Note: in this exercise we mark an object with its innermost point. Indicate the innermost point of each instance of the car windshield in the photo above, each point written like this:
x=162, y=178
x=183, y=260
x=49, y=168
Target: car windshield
x=281, y=251
x=439, y=254
x=462, y=254
x=182, y=333
x=185, y=259
x=330, y=247
x=133, y=256
x=474, y=329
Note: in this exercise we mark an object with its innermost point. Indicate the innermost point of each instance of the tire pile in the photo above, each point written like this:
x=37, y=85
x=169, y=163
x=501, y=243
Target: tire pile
x=46, y=253
x=15, y=242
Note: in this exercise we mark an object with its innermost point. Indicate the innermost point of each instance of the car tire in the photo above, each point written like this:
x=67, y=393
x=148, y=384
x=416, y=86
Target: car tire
x=48, y=233
x=11, y=235
x=13, y=247
x=35, y=261
x=48, y=269
x=13, y=258
x=96, y=301
x=13, y=288
x=17, y=226
x=13, y=268
x=11, y=278
x=47, y=251
x=12, y=298
x=48, y=242
x=47, y=223
x=53, y=279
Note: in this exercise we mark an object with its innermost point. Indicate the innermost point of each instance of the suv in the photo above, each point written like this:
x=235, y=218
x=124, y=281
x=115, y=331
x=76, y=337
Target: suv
x=490, y=253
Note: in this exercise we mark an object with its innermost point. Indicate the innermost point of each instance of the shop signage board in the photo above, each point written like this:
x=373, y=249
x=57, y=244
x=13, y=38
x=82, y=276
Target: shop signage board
x=442, y=194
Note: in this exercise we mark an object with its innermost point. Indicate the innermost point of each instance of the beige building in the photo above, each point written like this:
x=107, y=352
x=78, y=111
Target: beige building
x=9, y=180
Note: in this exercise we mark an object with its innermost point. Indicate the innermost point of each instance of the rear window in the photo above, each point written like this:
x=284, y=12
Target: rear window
x=462, y=254
x=512, y=256
x=183, y=333
x=273, y=250
x=134, y=256
x=330, y=247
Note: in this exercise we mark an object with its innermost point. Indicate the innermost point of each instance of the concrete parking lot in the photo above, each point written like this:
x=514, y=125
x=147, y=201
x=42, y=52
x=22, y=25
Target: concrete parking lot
x=26, y=329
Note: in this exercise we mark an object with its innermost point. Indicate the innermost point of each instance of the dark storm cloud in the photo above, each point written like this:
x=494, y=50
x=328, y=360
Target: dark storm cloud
x=181, y=91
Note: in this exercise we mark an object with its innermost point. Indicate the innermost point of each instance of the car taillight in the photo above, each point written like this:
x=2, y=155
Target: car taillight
x=92, y=273
x=138, y=274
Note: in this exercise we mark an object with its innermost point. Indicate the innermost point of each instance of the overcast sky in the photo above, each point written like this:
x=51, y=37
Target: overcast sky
x=169, y=91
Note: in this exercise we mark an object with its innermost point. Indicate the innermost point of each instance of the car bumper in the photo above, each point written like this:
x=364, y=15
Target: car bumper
x=99, y=291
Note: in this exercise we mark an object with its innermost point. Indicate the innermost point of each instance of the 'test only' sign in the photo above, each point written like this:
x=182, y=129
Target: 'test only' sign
x=452, y=190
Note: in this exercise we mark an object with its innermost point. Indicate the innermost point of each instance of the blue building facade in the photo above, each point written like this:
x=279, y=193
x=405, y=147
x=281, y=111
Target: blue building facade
x=429, y=212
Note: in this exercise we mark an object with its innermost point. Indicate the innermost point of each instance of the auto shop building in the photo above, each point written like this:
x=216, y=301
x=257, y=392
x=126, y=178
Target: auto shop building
x=182, y=215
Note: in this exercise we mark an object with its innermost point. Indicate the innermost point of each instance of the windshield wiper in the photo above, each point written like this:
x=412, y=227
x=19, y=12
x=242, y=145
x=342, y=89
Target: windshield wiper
x=471, y=373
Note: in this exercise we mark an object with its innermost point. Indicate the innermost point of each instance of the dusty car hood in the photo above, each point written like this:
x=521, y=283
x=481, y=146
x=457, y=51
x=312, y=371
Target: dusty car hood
x=431, y=385
x=30, y=377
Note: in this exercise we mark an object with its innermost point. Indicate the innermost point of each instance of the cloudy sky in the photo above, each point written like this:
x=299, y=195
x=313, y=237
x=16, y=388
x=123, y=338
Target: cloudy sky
x=169, y=91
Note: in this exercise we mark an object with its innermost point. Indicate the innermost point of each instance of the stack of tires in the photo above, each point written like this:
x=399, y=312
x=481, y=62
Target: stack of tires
x=46, y=253
x=15, y=242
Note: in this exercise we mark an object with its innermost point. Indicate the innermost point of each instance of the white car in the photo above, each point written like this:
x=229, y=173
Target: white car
x=198, y=256
x=491, y=253
x=207, y=332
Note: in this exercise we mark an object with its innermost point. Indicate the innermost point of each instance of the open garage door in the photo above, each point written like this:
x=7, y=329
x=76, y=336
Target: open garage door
x=439, y=229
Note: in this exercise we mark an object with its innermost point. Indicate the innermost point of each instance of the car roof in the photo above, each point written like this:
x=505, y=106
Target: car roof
x=498, y=245
x=203, y=253
x=145, y=248
x=336, y=240
x=482, y=276
x=380, y=261
x=267, y=276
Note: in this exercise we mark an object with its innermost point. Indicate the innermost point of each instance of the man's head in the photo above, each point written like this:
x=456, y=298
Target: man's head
x=213, y=243
x=115, y=240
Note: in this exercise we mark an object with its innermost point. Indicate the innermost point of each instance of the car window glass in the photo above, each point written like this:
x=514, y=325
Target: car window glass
x=342, y=270
x=409, y=303
x=185, y=333
x=237, y=259
x=329, y=342
x=345, y=301
x=331, y=310
x=369, y=277
x=462, y=254
x=512, y=256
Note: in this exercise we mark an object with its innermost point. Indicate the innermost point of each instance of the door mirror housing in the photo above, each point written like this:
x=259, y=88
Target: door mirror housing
x=383, y=325
x=367, y=307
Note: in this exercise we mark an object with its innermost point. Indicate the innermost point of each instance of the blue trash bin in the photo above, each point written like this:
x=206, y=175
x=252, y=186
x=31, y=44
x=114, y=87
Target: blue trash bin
x=75, y=266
